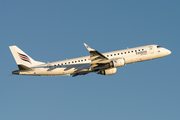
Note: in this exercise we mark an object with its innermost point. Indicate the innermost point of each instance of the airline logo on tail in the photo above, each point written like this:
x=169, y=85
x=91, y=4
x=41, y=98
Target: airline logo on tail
x=24, y=57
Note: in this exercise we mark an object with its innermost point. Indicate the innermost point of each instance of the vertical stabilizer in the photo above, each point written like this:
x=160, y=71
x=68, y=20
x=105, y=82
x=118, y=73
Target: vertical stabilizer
x=22, y=58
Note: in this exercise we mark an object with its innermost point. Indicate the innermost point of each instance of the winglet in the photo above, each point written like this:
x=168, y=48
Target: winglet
x=90, y=49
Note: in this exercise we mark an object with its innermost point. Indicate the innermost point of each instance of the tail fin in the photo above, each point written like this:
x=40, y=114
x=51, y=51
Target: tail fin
x=22, y=58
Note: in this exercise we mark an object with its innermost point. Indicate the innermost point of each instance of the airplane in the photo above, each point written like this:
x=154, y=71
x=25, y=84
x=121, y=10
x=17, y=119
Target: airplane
x=100, y=63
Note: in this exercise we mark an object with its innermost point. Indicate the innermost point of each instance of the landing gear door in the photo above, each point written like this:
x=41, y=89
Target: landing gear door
x=151, y=49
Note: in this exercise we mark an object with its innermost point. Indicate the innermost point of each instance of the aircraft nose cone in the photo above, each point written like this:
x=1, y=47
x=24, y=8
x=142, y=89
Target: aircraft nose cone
x=169, y=52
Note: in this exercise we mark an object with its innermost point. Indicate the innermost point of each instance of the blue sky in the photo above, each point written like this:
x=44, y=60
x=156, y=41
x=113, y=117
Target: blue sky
x=55, y=30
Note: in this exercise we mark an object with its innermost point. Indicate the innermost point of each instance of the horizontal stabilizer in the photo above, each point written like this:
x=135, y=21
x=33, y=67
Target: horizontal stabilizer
x=24, y=68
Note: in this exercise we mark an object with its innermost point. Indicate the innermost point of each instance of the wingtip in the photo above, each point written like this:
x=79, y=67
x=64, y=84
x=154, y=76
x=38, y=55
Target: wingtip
x=90, y=49
x=86, y=45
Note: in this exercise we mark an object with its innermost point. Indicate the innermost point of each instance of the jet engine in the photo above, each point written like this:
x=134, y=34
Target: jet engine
x=112, y=64
x=117, y=63
x=108, y=71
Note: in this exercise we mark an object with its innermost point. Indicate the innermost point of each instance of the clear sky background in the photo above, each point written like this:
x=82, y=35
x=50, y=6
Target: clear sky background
x=50, y=30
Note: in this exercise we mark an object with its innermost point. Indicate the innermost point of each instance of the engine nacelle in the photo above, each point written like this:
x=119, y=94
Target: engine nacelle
x=108, y=71
x=117, y=63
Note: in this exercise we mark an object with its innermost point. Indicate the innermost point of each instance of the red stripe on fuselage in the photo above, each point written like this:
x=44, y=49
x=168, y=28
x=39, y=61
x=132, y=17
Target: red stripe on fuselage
x=144, y=54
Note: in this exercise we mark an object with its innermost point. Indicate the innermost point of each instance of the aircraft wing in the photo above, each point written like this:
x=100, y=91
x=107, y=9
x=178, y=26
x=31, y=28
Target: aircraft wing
x=96, y=57
x=82, y=73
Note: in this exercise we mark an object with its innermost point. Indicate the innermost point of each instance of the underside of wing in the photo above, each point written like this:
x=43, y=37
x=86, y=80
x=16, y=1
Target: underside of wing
x=82, y=73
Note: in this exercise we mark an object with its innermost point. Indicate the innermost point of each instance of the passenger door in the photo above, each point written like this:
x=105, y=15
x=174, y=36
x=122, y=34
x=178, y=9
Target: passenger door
x=151, y=50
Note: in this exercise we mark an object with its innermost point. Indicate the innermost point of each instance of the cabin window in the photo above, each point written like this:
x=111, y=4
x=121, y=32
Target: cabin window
x=114, y=54
x=65, y=63
x=84, y=59
x=111, y=54
x=81, y=60
x=78, y=60
x=132, y=51
x=124, y=52
x=139, y=50
x=69, y=62
x=142, y=49
x=128, y=51
x=121, y=53
x=118, y=53
x=61, y=63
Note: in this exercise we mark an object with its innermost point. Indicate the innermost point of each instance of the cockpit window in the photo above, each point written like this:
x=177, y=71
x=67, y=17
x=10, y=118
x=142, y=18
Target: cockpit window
x=159, y=47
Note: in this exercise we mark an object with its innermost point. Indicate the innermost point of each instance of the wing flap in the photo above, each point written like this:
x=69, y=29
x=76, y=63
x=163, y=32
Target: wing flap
x=76, y=74
x=94, y=57
x=103, y=61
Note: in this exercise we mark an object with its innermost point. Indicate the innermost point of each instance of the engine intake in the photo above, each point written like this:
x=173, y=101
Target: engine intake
x=108, y=71
x=117, y=63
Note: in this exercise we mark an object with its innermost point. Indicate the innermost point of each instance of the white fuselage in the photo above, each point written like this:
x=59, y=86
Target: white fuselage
x=82, y=64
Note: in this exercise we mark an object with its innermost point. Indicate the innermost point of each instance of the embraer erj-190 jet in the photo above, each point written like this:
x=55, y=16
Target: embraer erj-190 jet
x=101, y=63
